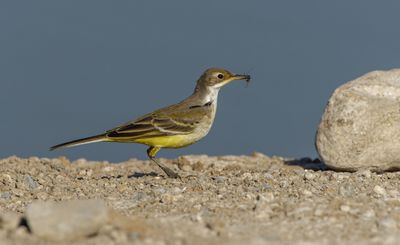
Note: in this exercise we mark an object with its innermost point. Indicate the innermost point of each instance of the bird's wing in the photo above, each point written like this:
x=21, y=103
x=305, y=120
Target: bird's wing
x=173, y=121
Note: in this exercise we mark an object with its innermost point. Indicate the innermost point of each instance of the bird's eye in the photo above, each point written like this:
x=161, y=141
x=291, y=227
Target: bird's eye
x=220, y=76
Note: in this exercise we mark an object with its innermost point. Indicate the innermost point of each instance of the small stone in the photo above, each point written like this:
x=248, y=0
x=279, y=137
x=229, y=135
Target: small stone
x=219, y=179
x=379, y=190
x=307, y=193
x=139, y=196
x=30, y=183
x=166, y=198
x=64, y=221
x=18, y=192
x=266, y=197
x=347, y=190
x=268, y=176
x=247, y=176
x=309, y=176
x=89, y=172
x=5, y=195
x=339, y=176
x=60, y=178
x=42, y=196
x=197, y=206
x=345, y=208
x=7, y=178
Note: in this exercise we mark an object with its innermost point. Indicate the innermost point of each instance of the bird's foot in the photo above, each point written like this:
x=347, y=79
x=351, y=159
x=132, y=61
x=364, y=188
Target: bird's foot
x=169, y=172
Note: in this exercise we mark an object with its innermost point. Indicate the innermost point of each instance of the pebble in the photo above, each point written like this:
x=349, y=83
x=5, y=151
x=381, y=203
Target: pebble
x=66, y=221
x=42, y=195
x=339, y=176
x=345, y=208
x=219, y=179
x=5, y=195
x=307, y=193
x=30, y=182
x=139, y=196
x=247, y=176
x=379, y=190
x=268, y=176
x=347, y=190
x=309, y=176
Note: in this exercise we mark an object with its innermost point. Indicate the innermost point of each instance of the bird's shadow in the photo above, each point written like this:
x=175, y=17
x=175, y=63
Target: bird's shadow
x=308, y=163
x=139, y=175
x=134, y=175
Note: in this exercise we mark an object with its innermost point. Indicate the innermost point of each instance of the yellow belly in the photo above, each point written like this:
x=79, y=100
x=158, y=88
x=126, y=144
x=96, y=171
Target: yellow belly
x=173, y=141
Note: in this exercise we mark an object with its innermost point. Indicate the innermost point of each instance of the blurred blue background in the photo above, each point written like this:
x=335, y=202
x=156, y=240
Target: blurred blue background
x=70, y=69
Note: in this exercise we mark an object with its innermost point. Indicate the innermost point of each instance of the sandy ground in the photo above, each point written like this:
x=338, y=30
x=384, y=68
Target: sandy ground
x=220, y=200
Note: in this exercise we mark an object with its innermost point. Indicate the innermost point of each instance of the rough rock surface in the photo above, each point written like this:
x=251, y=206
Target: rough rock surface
x=220, y=200
x=65, y=221
x=360, y=127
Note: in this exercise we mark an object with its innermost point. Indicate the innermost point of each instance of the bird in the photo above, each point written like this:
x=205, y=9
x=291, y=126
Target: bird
x=175, y=126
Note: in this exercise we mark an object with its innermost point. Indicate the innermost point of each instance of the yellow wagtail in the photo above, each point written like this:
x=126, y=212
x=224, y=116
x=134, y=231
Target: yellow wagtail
x=174, y=126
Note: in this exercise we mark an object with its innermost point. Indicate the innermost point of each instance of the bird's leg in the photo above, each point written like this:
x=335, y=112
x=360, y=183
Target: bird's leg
x=151, y=152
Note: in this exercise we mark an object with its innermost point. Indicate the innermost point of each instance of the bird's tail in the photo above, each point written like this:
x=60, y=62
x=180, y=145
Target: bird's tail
x=83, y=141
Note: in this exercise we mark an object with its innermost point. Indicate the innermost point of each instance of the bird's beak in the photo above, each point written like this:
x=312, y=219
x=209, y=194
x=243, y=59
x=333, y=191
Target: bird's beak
x=241, y=77
x=234, y=77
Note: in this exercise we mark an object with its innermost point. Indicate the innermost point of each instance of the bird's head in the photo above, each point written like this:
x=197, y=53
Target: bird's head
x=217, y=77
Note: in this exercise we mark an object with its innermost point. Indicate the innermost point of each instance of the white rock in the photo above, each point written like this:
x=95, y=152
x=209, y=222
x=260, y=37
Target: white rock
x=345, y=208
x=266, y=197
x=69, y=220
x=360, y=127
x=307, y=193
x=379, y=190
x=309, y=176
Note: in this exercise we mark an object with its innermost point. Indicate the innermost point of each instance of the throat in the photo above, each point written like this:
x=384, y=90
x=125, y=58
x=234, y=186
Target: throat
x=210, y=95
x=206, y=97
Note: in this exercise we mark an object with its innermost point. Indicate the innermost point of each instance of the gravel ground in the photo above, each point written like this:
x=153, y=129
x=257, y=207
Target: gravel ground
x=220, y=200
